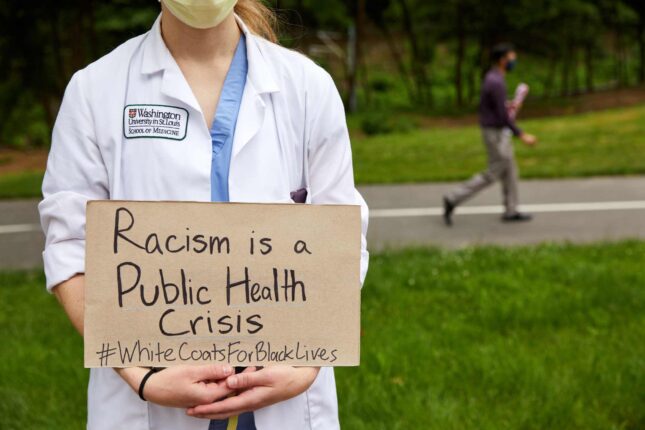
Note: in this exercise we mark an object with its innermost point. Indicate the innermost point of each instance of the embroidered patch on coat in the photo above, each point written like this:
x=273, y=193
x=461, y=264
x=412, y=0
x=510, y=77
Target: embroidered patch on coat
x=155, y=121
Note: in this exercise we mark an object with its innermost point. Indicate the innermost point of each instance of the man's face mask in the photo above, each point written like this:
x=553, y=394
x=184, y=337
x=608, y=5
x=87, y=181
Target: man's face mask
x=510, y=65
x=200, y=13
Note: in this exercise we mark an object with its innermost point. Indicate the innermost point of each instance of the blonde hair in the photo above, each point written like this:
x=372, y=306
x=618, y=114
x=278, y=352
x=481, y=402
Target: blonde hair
x=259, y=18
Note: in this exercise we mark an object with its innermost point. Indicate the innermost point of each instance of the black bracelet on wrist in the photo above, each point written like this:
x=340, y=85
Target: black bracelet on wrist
x=151, y=372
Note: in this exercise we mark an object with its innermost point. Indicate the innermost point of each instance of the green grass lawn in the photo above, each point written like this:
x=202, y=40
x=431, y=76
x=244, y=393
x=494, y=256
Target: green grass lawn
x=21, y=185
x=610, y=142
x=547, y=337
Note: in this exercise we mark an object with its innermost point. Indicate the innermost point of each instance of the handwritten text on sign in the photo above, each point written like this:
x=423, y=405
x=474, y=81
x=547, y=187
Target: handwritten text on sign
x=172, y=283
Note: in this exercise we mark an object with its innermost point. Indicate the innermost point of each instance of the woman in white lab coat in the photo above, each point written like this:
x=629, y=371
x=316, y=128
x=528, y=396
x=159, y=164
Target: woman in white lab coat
x=287, y=139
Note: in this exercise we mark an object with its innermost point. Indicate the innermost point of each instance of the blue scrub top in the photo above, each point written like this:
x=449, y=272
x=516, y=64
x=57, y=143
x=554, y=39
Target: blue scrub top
x=223, y=127
x=222, y=134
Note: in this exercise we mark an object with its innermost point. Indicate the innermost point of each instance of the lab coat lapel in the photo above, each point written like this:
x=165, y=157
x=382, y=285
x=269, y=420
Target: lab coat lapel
x=156, y=58
x=175, y=86
x=260, y=83
x=250, y=117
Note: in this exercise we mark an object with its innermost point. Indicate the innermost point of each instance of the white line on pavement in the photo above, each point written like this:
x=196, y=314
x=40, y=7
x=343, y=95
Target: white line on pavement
x=497, y=209
x=19, y=228
x=437, y=211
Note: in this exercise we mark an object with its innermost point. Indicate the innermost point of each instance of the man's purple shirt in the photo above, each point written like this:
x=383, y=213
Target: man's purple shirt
x=492, y=105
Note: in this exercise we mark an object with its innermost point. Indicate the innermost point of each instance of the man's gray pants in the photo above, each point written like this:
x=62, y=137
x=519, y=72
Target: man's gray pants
x=501, y=166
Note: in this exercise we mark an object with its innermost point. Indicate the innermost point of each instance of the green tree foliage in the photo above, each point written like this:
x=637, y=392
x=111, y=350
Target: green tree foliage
x=42, y=43
x=438, y=50
x=567, y=36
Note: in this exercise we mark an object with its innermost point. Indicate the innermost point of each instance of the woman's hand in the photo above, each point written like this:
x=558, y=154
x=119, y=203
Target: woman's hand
x=182, y=386
x=258, y=389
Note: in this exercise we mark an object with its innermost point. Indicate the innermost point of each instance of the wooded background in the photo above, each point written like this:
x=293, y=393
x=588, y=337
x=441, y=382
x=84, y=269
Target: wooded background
x=420, y=55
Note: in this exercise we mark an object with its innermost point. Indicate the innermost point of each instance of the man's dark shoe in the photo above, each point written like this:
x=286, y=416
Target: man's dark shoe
x=448, y=209
x=517, y=217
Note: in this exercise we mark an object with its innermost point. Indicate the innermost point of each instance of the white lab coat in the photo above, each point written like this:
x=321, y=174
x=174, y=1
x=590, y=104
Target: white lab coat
x=291, y=119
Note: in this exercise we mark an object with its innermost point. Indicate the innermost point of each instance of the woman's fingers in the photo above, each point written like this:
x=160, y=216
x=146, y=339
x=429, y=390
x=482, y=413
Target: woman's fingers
x=211, y=372
x=246, y=370
x=249, y=379
x=246, y=401
x=211, y=385
x=257, y=389
x=211, y=392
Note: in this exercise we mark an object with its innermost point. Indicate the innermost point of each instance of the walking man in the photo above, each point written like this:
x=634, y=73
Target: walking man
x=497, y=128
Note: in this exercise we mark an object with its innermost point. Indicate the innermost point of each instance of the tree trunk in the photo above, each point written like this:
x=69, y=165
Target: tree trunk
x=574, y=61
x=418, y=65
x=363, y=68
x=459, y=55
x=566, y=72
x=78, y=37
x=549, y=81
x=50, y=112
x=92, y=28
x=589, y=67
x=641, y=44
x=61, y=76
x=620, y=67
x=354, y=54
x=398, y=59
x=619, y=55
x=477, y=71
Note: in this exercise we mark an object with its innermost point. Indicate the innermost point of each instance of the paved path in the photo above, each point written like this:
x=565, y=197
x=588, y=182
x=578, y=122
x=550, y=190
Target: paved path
x=21, y=240
x=577, y=210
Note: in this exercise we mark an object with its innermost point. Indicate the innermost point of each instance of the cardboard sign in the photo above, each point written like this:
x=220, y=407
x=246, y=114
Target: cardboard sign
x=171, y=283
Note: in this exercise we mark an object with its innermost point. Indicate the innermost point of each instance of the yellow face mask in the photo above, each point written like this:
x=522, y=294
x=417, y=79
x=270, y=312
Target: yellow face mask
x=200, y=13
